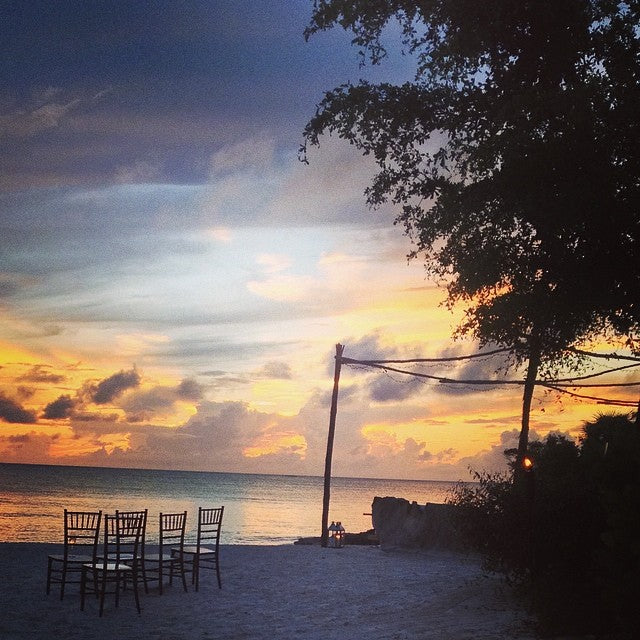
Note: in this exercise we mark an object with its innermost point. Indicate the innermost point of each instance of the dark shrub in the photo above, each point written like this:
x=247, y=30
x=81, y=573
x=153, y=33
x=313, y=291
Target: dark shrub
x=568, y=531
x=611, y=452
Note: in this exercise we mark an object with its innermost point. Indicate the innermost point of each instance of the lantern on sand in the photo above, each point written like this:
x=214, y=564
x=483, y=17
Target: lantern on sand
x=336, y=535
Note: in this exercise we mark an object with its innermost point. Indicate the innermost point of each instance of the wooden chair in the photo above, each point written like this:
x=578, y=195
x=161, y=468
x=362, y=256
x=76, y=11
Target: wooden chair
x=126, y=555
x=205, y=553
x=120, y=562
x=155, y=565
x=81, y=535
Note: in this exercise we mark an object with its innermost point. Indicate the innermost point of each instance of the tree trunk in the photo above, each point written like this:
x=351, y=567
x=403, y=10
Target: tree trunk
x=327, y=460
x=527, y=396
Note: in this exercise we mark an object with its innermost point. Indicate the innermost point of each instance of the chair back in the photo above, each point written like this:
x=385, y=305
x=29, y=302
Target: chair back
x=209, y=526
x=172, y=527
x=123, y=537
x=81, y=529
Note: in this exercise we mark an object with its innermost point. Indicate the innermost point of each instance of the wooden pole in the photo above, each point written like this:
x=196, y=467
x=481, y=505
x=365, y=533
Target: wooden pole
x=327, y=461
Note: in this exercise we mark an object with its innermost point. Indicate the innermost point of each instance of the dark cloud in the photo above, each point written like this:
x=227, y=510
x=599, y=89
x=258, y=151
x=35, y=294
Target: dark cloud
x=11, y=411
x=19, y=439
x=11, y=283
x=323, y=397
x=227, y=422
x=276, y=370
x=24, y=393
x=60, y=408
x=394, y=387
x=417, y=450
x=509, y=420
x=189, y=389
x=370, y=347
x=384, y=386
x=8, y=289
x=91, y=418
x=141, y=405
x=399, y=386
x=144, y=403
x=490, y=368
x=109, y=388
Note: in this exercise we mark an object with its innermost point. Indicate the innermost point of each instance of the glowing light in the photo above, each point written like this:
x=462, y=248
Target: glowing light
x=527, y=463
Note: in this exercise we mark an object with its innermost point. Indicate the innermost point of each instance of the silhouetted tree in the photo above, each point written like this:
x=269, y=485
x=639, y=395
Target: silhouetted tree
x=513, y=157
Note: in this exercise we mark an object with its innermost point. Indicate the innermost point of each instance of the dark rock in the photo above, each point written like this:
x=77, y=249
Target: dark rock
x=403, y=524
x=364, y=537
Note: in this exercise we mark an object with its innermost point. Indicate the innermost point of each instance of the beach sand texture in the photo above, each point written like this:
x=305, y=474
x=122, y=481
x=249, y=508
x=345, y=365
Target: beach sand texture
x=273, y=592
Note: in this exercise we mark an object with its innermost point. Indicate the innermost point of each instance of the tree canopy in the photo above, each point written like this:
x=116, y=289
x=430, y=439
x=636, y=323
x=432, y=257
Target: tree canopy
x=513, y=157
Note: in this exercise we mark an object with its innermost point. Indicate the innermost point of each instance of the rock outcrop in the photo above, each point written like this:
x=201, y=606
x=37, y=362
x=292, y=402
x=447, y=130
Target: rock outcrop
x=402, y=524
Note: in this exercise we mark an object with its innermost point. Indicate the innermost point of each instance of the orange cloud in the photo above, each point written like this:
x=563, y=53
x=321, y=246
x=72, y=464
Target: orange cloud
x=84, y=445
x=273, y=442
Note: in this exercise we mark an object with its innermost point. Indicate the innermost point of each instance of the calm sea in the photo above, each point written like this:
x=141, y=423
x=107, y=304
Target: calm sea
x=259, y=509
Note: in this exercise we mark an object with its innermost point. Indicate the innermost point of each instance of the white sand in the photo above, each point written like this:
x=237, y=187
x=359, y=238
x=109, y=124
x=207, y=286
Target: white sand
x=277, y=592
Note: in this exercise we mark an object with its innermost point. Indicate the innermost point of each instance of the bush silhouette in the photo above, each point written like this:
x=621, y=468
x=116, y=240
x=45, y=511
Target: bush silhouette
x=567, y=532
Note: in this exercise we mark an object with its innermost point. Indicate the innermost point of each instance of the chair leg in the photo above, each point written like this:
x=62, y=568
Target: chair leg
x=218, y=573
x=83, y=587
x=103, y=590
x=134, y=579
x=144, y=576
x=184, y=577
x=63, y=580
x=49, y=575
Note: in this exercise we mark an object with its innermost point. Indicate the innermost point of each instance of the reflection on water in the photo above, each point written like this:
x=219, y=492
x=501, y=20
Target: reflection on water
x=259, y=509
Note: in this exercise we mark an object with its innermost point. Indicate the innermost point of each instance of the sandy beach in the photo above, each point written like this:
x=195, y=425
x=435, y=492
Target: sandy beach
x=271, y=592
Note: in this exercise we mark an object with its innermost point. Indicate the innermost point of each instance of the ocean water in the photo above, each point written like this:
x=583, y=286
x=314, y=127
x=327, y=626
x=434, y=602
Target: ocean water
x=259, y=509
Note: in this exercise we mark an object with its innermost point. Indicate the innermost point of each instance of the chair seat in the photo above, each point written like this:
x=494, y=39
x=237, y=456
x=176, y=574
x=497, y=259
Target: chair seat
x=157, y=557
x=194, y=549
x=71, y=557
x=111, y=566
x=111, y=556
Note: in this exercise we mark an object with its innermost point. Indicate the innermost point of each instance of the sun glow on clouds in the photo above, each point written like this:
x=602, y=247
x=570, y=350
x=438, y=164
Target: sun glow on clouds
x=273, y=442
x=286, y=397
x=353, y=286
x=14, y=353
x=435, y=439
x=192, y=254
x=282, y=287
x=82, y=445
x=132, y=345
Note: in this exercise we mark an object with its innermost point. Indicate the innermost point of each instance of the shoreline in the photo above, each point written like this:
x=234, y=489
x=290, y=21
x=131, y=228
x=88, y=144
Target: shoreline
x=273, y=592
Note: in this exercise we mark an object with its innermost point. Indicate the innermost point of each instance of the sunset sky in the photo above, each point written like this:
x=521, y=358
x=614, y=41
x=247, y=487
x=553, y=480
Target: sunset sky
x=173, y=280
